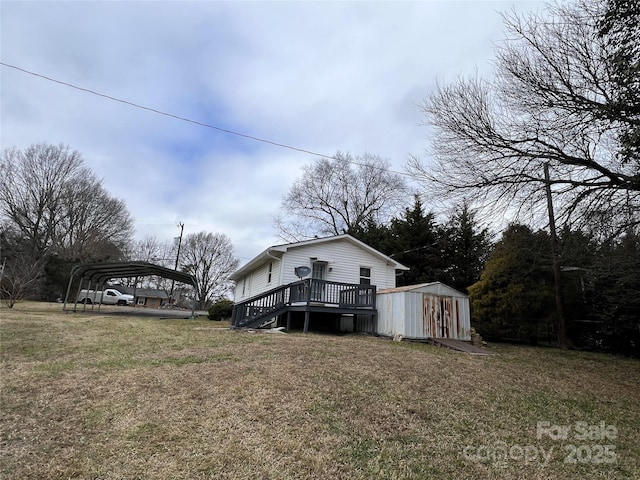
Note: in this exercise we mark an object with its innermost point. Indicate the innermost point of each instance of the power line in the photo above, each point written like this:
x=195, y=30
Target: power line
x=177, y=117
x=188, y=120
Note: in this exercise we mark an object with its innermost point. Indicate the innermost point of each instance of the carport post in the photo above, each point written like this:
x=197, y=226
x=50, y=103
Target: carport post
x=75, y=302
x=95, y=294
x=84, y=305
x=135, y=292
x=101, y=295
x=66, y=297
x=193, y=308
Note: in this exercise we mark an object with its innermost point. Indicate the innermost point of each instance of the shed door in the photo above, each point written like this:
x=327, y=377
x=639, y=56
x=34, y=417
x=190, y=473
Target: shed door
x=439, y=317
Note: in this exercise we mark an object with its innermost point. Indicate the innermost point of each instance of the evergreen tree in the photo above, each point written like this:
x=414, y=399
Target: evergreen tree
x=374, y=234
x=514, y=297
x=466, y=249
x=619, y=28
x=416, y=241
x=616, y=302
x=577, y=251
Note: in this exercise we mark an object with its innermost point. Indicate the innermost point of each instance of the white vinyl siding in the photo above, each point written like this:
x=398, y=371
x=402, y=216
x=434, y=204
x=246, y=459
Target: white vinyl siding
x=257, y=281
x=343, y=258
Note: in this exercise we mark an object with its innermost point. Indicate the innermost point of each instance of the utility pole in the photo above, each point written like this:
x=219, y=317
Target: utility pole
x=562, y=334
x=173, y=282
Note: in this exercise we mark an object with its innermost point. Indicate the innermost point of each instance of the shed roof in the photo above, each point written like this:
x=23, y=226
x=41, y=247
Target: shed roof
x=438, y=288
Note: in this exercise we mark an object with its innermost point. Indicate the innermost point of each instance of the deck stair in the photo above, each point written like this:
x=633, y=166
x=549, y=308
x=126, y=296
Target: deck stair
x=309, y=295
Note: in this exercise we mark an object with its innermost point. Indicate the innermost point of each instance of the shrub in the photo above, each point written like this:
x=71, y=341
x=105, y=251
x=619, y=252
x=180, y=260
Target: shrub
x=220, y=310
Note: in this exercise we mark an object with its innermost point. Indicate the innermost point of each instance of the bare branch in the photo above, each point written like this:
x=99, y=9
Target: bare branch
x=555, y=100
x=336, y=196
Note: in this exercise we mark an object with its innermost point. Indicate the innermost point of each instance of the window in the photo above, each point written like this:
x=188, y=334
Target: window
x=270, y=271
x=365, y=276
x=244, y=285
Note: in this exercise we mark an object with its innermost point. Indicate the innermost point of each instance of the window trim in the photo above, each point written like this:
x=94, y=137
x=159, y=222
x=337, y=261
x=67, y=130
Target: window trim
x=365, y=277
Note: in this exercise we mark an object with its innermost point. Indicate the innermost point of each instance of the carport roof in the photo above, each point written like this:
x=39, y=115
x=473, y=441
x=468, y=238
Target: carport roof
x=101, y=272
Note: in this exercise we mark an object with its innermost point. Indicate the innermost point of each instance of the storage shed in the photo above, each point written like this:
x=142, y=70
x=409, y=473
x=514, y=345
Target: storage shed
x=427, y=310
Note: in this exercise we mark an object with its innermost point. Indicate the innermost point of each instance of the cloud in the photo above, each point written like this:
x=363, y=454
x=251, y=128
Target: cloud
x=321, y=76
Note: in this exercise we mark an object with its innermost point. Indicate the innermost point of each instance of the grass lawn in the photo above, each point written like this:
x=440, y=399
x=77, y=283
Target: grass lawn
x=93, y=396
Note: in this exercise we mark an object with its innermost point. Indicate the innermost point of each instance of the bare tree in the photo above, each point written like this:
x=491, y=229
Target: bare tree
x=32, y=184
x=57, y=204
x=58, y=214
x=90, y=220
x=336, y=196
x=19, y=277
x=209, y=257
x=555, y=101
x=152, y=250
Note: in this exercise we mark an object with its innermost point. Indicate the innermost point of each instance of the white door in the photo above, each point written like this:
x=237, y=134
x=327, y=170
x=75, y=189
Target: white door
x=318, y=272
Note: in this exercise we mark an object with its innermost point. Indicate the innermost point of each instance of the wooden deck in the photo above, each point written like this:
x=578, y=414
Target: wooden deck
x=309, y=295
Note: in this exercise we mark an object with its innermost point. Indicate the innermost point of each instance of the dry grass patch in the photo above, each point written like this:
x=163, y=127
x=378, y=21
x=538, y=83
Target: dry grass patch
x=88, y=396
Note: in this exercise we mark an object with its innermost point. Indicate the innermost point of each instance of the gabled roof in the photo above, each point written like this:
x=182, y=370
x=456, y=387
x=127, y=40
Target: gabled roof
x=277, y=251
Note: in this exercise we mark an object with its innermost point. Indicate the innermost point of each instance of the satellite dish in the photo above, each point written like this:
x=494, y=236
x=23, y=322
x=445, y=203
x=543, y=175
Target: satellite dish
x=302, y=271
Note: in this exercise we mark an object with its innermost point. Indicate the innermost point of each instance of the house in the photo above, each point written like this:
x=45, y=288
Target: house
x=335, y=278
x=146, y=297
x=427, y=310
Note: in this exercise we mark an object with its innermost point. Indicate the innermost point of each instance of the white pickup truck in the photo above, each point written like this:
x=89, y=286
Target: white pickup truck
x=109, y=296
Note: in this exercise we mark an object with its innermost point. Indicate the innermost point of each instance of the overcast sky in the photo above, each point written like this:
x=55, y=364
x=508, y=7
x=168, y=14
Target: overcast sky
x=319, y=76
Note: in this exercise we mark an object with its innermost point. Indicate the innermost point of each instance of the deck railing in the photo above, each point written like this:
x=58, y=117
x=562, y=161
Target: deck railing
x=305, y=292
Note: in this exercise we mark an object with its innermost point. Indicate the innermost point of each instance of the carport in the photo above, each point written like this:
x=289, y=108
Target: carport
x=95, y=275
